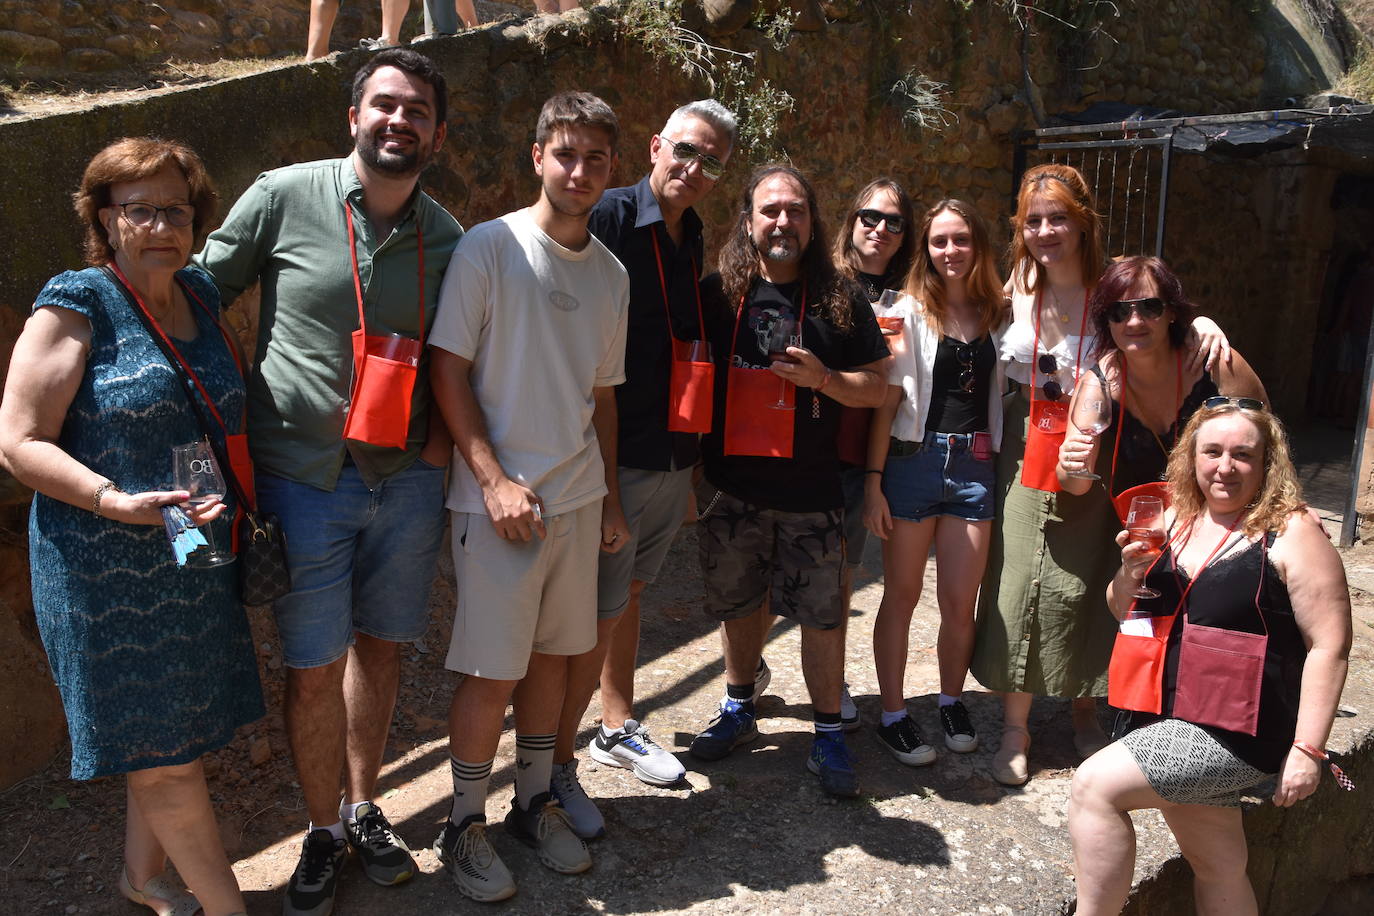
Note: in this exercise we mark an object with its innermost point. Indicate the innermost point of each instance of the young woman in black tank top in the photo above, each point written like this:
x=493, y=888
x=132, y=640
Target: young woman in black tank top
x=930, y=473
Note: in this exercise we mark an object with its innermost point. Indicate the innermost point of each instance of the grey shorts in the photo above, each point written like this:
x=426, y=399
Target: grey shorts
x=1184, y=764
x=655, y=504
x=795, y=558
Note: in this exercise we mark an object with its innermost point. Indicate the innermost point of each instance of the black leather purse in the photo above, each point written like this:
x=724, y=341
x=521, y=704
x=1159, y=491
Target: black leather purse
x=263, y=572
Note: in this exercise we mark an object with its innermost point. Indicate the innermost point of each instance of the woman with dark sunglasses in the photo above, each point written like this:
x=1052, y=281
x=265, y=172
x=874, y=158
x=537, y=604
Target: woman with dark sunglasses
x=930, y=475
x=1241, y=661
x=1140, y=317
x=1041, y=629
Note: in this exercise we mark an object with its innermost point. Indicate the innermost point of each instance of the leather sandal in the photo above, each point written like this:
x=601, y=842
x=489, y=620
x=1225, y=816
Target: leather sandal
x=1009, y=764
x=159, y=894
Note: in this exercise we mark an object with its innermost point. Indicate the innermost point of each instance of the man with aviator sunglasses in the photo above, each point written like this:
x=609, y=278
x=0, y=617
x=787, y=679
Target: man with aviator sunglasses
x=652, y=228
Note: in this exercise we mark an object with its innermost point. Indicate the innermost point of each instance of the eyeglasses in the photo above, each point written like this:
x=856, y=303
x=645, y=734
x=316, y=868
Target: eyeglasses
x=711, y=167
x=143, y=215
x=1149, y=309
x=896, y=223
x=1048, y=365
x=1221, y=400
x=966, y=354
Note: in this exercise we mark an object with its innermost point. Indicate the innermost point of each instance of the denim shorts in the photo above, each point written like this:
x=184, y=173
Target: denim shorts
x=941, y=477
x=360, y=559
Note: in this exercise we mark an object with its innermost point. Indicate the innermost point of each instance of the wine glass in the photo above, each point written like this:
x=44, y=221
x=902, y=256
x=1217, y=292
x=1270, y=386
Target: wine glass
x=783, y=334
x=1092, y=414
x=1145, y=525
x=195, y=470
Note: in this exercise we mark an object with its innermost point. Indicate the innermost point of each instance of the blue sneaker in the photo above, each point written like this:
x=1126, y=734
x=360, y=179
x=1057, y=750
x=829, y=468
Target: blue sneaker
x=733, y=725
x=830, y=761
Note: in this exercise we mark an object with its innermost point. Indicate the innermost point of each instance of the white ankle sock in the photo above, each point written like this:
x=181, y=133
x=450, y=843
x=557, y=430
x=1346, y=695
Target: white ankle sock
x=891, y=717
x=336, y=829
x=947, y=700
x=350, y=812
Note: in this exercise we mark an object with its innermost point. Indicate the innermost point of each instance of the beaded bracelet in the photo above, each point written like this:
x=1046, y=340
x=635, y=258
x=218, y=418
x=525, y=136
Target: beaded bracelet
x=100, y=492
x=1323, y=757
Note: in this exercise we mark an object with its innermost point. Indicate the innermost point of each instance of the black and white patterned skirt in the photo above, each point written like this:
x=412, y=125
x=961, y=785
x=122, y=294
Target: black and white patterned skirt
x=1186, y=765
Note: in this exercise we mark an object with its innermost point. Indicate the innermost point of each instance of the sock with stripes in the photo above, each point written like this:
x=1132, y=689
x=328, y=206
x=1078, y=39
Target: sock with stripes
x=533, y=766
x=469, y=788
x=828, y=724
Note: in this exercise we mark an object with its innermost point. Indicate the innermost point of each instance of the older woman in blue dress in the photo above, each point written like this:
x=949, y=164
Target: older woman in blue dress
x=154, y=661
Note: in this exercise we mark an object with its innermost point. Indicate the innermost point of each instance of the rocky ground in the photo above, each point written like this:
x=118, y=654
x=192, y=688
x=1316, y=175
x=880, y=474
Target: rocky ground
x=752, y=833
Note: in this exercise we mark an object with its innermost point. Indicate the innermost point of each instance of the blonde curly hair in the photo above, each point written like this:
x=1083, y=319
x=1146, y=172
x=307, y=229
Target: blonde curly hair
x=1280, y=494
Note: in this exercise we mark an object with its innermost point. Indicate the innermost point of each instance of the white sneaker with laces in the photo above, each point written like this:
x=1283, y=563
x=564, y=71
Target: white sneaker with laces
x=631, y=747
x=849, y=713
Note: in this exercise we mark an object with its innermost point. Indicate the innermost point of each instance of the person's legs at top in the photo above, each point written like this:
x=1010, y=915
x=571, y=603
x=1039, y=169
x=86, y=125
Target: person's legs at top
x=322, y=16
x=961, y=553
x=904, y=562
x=467, y=13
x=170, y=815
x=1105, y=788
x=556, y=6
x=393, y=14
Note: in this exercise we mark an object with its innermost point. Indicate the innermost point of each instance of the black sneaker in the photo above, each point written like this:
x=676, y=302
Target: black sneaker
x=385, y=856
x=310, y=892
x=959, y=734
x=904, y=742
x=546, y=829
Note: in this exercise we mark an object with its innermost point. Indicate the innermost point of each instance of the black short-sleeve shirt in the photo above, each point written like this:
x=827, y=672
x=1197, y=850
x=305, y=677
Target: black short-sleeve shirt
x=809, y=481
x=627, y=220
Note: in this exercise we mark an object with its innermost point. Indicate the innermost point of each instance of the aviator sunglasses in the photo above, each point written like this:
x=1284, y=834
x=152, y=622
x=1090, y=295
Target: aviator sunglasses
x=711, y=167
x=896, y=223
x=1148, y=308
x=1221, y=400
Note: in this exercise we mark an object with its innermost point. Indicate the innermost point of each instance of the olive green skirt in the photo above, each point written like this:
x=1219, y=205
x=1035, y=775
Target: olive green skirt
x=1043, y=626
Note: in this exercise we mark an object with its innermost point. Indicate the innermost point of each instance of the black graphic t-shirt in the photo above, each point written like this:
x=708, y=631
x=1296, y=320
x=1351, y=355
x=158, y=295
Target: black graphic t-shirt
x=809, y=481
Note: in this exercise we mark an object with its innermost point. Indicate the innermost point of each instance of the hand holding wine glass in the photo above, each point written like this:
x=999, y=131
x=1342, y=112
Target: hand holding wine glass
x=195, y=470
x=1091, y=415
x=783, y=334
x=1145, y=526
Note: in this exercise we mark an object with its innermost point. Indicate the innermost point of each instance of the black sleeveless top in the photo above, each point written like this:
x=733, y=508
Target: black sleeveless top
x=1224, y=596
x=1142, y=457
x=952, y=409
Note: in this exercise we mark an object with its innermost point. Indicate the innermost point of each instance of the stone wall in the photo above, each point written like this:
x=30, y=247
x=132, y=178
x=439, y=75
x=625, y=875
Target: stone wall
x=1234, y=233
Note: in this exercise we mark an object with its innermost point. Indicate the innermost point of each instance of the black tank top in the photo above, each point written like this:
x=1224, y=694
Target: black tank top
x=1224, y=596
x=960, y=365
x=1142, y=457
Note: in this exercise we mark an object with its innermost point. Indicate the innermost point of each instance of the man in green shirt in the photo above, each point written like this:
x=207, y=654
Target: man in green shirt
x=336, y=245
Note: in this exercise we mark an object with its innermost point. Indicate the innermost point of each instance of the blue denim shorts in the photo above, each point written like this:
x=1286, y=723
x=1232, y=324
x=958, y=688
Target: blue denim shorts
x=940, y=478
x=360, y=559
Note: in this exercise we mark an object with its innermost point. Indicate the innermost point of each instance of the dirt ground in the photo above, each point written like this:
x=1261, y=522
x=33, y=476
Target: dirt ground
x=752, y=833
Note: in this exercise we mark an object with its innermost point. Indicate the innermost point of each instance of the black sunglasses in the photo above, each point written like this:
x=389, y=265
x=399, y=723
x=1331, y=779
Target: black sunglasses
x=1048, y=365
x=711, y=167
x=966, y=354
x=1148, y=308
x=896, y=223
x=1221, y=400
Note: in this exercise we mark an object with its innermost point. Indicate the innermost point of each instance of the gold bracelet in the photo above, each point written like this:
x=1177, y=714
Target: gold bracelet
x=100, y=492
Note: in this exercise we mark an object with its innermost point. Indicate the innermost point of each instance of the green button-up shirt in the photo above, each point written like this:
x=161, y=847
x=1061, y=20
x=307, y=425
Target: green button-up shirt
x=288, y=231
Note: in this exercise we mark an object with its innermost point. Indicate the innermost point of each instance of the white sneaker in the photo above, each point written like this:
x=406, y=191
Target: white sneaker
x=631, y=747
x=586, y=818
x=849, y=713
x=762, y=675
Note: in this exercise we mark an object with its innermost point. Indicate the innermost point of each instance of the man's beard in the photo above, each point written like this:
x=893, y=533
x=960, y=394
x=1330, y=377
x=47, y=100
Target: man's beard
x=776, y=251
x=392, y=163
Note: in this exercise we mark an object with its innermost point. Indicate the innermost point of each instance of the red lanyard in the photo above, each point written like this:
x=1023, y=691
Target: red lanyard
x=167, y=340
x=1035, y=344
x=663, y=285
x=357, y=279
x=1173, y=564
x=734, y=337
x=1178, y=402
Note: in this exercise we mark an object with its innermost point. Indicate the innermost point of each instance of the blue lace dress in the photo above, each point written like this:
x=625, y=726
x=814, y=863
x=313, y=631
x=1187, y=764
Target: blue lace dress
x=155, y=663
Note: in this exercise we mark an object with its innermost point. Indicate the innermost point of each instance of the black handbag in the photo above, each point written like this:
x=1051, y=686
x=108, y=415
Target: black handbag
x=264, y=575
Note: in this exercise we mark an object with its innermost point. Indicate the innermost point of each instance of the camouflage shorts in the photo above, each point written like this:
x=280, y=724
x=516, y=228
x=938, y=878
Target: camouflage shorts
x=749, y=553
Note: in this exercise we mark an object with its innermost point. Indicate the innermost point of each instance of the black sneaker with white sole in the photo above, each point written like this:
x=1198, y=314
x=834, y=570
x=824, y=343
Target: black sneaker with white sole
x=959, y=734
x=385, y=856
x=904, y=742
x=310, y=892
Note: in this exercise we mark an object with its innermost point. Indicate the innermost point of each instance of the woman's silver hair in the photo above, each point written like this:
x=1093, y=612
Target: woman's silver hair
x=710, y=111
